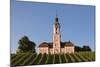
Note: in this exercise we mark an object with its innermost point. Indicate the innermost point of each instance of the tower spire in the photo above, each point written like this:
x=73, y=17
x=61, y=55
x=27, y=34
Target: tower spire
x=56, y=36
x=56, y=19
x=56, y=13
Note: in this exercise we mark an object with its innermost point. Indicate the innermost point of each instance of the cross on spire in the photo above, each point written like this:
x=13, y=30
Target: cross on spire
x=56, y=19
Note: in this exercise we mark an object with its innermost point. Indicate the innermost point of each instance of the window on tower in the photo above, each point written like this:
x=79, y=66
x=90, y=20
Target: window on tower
x=56, y=30
x=55, y=45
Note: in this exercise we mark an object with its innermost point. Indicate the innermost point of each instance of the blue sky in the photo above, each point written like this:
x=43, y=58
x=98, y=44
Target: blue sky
x=36, y=20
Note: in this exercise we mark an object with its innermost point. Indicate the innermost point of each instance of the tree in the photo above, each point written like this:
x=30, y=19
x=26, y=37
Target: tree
x=78, y=48
x=86, y=48
x=25, y=45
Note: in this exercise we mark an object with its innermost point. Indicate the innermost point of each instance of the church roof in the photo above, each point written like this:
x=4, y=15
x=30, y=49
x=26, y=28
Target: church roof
x=50, y=44
x=44, y=44
x=69, y=43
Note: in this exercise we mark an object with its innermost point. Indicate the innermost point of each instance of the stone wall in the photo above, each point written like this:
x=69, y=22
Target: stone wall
x=69, y=49
x=66, y=49
x=43, y=50
x=62, y=50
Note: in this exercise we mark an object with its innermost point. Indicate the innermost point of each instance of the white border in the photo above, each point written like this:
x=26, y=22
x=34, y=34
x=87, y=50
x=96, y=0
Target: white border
x=5, y=38
x=82, y=2
x=4, y=33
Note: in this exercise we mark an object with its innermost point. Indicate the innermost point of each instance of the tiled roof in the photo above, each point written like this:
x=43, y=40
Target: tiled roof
x=44, y=44
x=50, y=44
x=69, y=43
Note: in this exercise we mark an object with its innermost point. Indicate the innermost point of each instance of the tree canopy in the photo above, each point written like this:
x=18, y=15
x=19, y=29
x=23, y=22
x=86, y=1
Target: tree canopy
x=84, y=48
x=25, y=45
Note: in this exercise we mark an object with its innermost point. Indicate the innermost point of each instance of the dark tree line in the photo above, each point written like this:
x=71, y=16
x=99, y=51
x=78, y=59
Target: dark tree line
x=84, y=48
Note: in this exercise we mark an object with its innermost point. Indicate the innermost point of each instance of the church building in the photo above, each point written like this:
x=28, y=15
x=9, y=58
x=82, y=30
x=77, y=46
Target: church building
x=57, y=46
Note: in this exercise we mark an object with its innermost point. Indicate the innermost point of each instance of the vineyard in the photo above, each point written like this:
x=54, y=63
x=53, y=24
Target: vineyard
x=39, y=59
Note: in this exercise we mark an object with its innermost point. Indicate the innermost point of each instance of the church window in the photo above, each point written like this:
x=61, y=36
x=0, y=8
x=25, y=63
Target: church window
x=56, y=32
x=55, y=44
x=56, y=29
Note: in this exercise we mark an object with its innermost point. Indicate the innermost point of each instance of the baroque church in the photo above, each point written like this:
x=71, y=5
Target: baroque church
x=57, y=46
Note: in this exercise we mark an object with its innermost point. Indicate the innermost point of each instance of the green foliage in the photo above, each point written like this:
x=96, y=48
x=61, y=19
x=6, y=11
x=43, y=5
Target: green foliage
x=84, y=48
x=57, y=59
x=17, y=57
x=63, y=58
x=81, y=57
x=77, y=59
x=32, y=59
x=50, y=59
x=19, y=62
x=43, y=59
x=13, y=55
x=78, y=49
x=47, y=59
x=35, y=59
x=25, y=45
x=70, y=58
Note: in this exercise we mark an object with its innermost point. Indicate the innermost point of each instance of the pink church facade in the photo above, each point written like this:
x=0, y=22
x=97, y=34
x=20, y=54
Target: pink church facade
x=56, y=47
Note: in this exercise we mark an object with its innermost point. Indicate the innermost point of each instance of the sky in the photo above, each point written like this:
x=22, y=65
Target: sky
x=35, y=20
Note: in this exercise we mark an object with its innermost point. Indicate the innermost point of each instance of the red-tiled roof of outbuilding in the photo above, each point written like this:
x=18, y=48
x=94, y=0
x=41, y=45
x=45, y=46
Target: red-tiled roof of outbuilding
x=69, y=43
x=44, y=44
x=50, y=44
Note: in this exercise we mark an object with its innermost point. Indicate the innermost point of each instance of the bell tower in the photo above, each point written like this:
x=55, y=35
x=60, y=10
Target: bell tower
x=56, y=36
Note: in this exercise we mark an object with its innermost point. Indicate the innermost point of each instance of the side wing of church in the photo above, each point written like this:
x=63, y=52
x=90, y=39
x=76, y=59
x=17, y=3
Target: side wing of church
x=56, y=46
